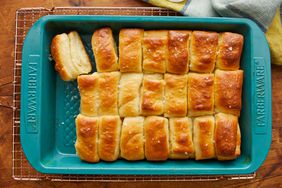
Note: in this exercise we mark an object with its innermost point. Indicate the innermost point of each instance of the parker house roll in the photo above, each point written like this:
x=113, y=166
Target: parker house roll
x=156, y=138
x=180, y=138
x=129, y=94
x=104, y=49
x=200, y=94
x=203, y=50
x=155, y=51
x=178, y=51
x=152, y=95
x=131, y=140
x=109, y=137
x=203, y=137
x=88, y=89
x=86, y=144
x=70, y=56
x=228, y=91
x=108, y=93
x=227, y=136
x=130, y=50
x=229, y=51
x=175, y=95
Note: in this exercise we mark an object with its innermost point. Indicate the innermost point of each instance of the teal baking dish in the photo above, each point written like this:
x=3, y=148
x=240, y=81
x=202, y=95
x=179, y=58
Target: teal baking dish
x=49, y=105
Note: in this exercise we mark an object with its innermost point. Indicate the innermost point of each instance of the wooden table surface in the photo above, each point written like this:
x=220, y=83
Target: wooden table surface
x=268, y=175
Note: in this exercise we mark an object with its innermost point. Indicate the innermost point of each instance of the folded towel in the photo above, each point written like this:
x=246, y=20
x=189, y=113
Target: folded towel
x=261, y=12
x=274, y=38
x=196, y=8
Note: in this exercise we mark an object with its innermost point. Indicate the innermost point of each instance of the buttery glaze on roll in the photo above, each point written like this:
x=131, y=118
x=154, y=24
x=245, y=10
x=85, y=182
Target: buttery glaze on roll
x=104, y=49
x=108, y=93
x=86, y=144
x=70, y=56
x=156, y=138
x=200, y=94
x=180, y=136
x=130, y=50
x=129, y=94
x=88, y=89
x=109, y=137
x=178, y=51
x=175, y=95
x=227, y=136
x=230, y=49
x=203, y=49
x=228, y=91
x=131, y=141
x=203, y=137
x=155, y=51
x=152, y=94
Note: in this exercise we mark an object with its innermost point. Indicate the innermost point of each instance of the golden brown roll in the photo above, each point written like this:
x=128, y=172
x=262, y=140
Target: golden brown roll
x=70, y=56
x=88, y=89
x=152, y=94
x=108, y=93
x=155, y=51
x=109, y=137
x=203, y=137
x=131, y=140
x=229, y=52
x=203, y=51
x=228, y=91
x=156, y=138
x=175, y=95
x=180, y=136
x=226, y=133
x=200, y=94
x=129, y=94
x=104, y=49
x=86, y=144
x=178, y=51
x=130, y=50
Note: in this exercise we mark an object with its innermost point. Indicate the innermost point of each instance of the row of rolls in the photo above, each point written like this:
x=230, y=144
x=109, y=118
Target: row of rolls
x=147, y=51
x=161, y=51
x=169, y=95
x=156, y=138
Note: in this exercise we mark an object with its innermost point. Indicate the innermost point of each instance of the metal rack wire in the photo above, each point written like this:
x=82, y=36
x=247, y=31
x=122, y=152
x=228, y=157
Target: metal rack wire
x=22, y=170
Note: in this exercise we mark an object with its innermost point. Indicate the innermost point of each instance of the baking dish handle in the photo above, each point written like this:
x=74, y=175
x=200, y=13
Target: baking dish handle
x=30, y=115
x=261, y=96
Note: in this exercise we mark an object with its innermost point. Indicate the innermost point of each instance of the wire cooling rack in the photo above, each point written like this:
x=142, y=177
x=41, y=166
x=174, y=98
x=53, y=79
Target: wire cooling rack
x=22, y=170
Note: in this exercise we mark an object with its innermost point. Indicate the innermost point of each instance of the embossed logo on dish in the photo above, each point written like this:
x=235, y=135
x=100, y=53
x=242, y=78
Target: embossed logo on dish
x=260, y=95
x=32, y=85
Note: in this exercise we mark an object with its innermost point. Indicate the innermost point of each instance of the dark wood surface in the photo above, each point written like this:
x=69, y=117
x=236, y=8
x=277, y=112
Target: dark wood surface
x=268, y=175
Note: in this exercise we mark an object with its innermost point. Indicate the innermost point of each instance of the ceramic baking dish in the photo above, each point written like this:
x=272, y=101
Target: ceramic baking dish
x=49, y=105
